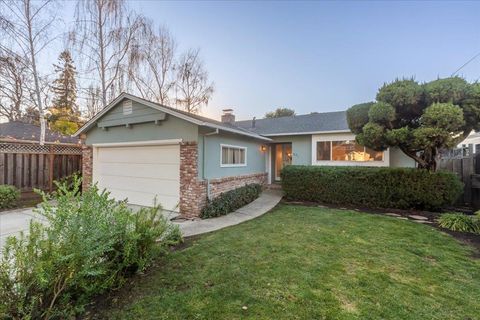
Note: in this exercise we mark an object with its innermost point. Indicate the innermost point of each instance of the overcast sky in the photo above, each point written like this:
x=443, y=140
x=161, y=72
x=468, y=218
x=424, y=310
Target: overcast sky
x=317, y=56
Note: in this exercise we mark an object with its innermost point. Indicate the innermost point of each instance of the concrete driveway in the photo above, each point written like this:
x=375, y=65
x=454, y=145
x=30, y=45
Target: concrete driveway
x=14, y=221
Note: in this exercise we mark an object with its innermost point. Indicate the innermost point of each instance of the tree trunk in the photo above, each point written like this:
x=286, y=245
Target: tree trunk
x=102, y=55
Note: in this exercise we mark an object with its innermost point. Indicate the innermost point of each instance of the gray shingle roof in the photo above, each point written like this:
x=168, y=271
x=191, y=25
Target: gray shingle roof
x=26, y=131
x=307, y=123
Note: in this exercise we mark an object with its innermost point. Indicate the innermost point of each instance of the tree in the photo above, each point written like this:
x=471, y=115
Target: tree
x=93, y=103
x=420, y=119
x=30, y=115
x=64, y=115
x=104, y=36
x=14, y=86
x=151, y=67
x=27, y=26
x=280, y=112
x=192, y=86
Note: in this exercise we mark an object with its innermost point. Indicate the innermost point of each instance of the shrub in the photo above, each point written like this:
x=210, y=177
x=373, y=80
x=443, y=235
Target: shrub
x=402, y=188
x=460, y=222
x=9, y=196
x=90, y=244
x=231, y=200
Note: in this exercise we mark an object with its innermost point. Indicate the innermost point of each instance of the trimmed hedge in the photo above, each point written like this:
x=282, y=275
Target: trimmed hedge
x=231, y=200
x=9, y=196
x=402, y=188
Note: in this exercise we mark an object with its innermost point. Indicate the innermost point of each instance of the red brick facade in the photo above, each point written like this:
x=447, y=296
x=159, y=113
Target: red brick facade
x=217, y=186
x=193, y=192
x=87, y=165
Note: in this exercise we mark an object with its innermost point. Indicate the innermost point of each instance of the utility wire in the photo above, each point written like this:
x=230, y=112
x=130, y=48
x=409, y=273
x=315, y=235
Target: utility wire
x=473, y=58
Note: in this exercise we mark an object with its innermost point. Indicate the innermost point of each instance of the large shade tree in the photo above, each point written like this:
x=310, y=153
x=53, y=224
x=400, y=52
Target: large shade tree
x=419, y=119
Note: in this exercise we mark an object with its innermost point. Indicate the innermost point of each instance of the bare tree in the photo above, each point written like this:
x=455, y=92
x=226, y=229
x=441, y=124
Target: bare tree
x=104, y=35
x=27, y=24
x=192, y=86
x=151, y=67
x=93, y=102
x=14, y=91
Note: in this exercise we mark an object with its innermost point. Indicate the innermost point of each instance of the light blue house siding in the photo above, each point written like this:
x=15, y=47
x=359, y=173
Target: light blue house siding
x=209, y=151
x=168, y=128
x=301, y=147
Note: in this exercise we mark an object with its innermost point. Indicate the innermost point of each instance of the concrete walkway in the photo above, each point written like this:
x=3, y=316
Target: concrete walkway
x=267, y=200
x=12, y=222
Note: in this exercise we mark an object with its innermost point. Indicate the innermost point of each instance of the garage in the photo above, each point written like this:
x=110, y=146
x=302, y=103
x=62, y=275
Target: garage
x=139, y=172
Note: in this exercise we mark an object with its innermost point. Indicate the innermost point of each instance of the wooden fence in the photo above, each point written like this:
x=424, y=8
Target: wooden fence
x=466, y=165
x=30, y=165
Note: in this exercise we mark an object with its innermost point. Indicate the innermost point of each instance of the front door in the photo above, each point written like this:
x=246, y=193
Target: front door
x=283, y=157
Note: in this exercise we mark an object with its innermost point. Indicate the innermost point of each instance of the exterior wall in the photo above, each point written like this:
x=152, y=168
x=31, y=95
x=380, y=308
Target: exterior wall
x=87, y=167
x=210, y=150
x=169, y=128
x=218, y=186
x=301, y=148
x=400, y=159
x=193, y=192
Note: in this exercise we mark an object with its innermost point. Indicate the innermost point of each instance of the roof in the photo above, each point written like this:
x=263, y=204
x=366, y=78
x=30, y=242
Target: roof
x=17, y=130
x=193, y=118
x=297, y=125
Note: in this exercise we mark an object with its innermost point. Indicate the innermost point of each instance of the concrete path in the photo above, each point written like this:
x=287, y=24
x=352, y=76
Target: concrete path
x=267, y=200
x=14, y=221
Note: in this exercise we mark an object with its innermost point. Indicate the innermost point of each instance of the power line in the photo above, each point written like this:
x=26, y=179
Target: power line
x=473, y=58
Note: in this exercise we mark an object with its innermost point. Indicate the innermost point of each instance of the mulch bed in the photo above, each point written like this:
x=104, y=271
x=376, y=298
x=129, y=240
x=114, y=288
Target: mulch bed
x=470, y=239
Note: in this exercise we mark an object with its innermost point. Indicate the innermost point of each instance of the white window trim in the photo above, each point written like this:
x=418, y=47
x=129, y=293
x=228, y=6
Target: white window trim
x=341, y=137
x=232, y=165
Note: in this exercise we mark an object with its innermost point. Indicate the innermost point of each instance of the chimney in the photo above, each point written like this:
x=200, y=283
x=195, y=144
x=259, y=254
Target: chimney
x=228, y=116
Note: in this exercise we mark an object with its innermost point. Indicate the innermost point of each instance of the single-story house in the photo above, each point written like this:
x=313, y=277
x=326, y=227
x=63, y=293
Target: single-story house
x=17, y=131
x=141, y=150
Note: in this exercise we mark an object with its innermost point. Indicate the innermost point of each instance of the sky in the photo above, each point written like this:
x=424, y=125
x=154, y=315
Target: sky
x=317, y=56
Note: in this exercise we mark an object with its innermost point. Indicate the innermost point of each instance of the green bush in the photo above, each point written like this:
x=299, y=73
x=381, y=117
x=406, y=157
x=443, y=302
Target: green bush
x=9, y=196
x=402, y=188
x=90, y=244
x=460, y=222
x=231, y=200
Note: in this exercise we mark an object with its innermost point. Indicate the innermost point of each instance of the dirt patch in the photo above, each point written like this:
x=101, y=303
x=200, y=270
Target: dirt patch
x=470, y=239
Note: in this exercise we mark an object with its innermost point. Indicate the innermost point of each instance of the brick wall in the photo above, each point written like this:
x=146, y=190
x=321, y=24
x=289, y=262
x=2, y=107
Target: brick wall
x=217, y=186
x=87, y=164
x=193, y=192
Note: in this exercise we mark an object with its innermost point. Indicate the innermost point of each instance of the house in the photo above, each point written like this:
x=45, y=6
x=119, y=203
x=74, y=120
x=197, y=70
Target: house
x=141, y=150
x=17, y=131
x=472, y=141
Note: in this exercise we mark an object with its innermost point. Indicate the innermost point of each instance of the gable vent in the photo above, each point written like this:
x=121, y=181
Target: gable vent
x=127, y=107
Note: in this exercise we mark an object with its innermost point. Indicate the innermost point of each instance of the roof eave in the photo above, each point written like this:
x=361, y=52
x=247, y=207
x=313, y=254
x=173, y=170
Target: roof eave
x=305, y=133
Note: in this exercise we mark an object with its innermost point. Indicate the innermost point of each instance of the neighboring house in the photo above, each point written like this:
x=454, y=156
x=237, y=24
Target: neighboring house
x=16, y=131
x=141, y=150
x=473, y=141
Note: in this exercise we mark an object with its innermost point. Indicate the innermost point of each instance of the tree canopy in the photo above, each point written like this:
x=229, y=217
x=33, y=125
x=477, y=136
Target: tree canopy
x=280, y=112
x=418, y=118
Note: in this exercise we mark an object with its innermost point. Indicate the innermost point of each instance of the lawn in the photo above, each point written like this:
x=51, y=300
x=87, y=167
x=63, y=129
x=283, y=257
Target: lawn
x=310, y=263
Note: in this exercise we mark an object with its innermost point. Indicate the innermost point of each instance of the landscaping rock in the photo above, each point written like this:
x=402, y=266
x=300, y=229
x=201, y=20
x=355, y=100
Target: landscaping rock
x=417, y=217
x=402, y=218
x=390, y=214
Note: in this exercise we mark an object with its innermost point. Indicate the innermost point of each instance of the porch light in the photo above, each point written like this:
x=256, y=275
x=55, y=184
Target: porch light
x=263, y=148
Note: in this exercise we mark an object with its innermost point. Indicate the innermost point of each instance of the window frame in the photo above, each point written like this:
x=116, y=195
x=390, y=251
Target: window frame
x=232, y=165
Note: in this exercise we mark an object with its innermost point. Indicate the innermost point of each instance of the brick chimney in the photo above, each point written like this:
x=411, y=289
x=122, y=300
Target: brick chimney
x=228, y=116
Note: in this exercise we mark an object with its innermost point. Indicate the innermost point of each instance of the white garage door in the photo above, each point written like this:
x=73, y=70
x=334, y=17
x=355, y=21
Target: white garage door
x=140, y=173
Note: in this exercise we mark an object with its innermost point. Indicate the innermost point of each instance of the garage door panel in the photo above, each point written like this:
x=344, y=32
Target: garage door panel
x=145, y=170
x=160, y=154
x=140, y=173
x=164, y=187
x=146, y=199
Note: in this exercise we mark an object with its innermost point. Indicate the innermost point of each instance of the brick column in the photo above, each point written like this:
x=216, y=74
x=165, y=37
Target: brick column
x=193, y=192
x=87, y=164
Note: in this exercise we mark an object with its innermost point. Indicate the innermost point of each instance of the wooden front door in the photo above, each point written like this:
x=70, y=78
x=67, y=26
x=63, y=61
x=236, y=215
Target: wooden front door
x=282, y=157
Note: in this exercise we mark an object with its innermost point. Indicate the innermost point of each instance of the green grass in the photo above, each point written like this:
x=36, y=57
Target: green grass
x=312, y=263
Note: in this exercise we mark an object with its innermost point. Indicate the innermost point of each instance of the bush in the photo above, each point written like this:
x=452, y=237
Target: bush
x=402, y=188
x=231, y=200
x=90, y=244
x=460, y=222
x=9, y=196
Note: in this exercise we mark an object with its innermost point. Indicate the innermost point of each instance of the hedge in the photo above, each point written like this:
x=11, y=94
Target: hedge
x=231, y=200
x=9, y=196
x=402, y=188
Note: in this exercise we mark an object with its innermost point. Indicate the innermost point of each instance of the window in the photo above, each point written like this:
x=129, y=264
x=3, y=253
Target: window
x=233, y=156
x=346, y=150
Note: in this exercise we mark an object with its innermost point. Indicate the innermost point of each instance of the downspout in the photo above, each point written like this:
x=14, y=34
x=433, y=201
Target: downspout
x=203, y=158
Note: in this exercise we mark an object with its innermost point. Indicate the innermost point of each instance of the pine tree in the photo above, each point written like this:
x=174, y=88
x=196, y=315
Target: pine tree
x=64, y=114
